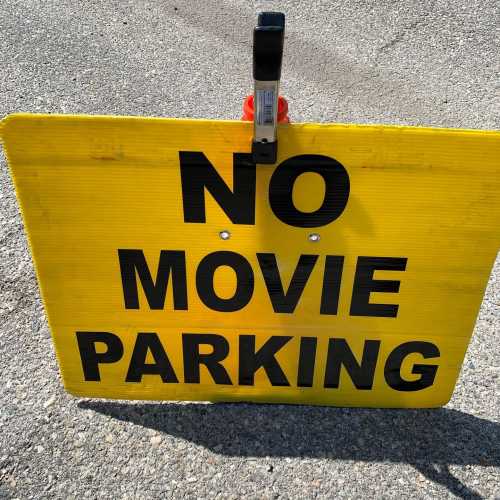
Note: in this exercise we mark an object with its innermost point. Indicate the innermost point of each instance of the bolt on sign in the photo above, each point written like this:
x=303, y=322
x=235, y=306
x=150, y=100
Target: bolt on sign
x=172, y=267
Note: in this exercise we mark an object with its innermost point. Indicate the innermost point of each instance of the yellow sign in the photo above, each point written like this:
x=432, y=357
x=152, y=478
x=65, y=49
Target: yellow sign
x=172, y=267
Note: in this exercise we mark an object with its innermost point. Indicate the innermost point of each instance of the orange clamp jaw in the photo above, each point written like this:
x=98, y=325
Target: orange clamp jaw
x=248, y=109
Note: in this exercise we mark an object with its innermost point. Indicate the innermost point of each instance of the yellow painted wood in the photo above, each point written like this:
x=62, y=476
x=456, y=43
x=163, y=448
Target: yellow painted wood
x=90, y=185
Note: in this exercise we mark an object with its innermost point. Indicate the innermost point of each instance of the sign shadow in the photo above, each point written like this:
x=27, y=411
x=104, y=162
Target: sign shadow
x=429, y=440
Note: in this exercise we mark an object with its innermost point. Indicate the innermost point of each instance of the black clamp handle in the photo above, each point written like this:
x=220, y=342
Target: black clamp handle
x=268, y=40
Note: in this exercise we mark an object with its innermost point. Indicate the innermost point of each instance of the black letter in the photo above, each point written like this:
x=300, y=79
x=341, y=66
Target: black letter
x=285, y=303
x=197, y=173
x=392, y=369
x=193, y=359
x=307, y=359
x=336, y=190
x=339, y=353
x=205, y=281
x=331, y=284
x=134, y=260
x=91, y=358
x=364, y=284
x=251, y=361
x=138, y=366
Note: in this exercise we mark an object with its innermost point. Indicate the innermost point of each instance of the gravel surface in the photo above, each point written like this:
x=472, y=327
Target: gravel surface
x=408, y=62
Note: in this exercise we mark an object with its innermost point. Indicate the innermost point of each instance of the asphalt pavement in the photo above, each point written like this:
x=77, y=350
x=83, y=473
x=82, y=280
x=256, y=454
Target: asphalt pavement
x=408, y=62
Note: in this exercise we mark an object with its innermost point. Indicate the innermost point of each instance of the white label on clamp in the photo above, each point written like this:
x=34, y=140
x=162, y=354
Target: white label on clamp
x=265, y=107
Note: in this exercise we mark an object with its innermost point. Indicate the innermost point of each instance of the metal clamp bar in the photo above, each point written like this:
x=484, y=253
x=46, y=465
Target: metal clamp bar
x=268, y=42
